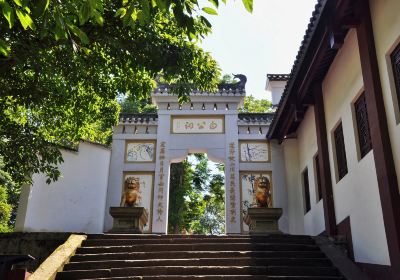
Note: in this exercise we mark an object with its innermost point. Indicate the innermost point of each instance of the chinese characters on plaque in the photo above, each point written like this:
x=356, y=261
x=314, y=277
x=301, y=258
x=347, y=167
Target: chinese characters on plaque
x=160, y=193
x=232, y=196
x=197, y=125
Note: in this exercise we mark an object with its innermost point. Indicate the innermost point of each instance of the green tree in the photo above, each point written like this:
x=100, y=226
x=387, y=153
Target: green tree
x=213, y=219
x=196, y=199
x=134, y=105
x=226, y=79
x=63, y=20
x=253, y=105
x=7, y=187
x=55, y=93
x=5, y=210
x=180, y=184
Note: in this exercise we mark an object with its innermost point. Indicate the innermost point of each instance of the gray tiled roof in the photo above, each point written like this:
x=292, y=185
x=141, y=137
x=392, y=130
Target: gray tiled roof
x=278, y=77
x=137, y=118
x=256, y=117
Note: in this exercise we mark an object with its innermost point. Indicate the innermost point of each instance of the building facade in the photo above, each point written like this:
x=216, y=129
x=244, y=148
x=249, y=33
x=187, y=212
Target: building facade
x=339, y=118
x=331, y=150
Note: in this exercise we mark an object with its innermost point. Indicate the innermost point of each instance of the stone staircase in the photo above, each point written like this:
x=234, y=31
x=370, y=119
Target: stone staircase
x=162, y=257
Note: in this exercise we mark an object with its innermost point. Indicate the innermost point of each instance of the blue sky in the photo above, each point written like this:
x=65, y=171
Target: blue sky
x=265, y=41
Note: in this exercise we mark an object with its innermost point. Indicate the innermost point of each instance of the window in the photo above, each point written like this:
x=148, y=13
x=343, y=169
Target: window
x=306, y=191
x=317, y=171
x=341, y=160
x=395, y=58
x=364, y=136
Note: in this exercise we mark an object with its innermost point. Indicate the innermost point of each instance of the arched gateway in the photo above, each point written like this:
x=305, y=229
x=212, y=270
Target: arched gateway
x=144, y=146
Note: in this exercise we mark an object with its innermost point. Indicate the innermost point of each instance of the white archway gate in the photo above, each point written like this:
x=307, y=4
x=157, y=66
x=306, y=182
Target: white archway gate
x=144, y=146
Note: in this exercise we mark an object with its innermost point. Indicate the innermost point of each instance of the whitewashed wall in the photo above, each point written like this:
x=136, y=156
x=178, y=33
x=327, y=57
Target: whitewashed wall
x=276, y=89
x=386, y=26
x=356, y=194
x=314, y=222
x=293, y=187
x=76, y=202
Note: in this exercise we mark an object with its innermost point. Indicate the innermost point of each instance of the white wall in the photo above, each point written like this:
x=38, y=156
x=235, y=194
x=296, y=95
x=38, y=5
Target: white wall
x=293, y=186
x=386, y=25
x=280, y=192
x=314, y=222
x=356, y=194
x=276, y=89
x=76, y=202
x=118, y=166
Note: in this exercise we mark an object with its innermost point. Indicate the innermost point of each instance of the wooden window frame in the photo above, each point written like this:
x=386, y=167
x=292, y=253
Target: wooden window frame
x=395, y=61
x=363, y=129
x=318, y=181
x=306, y=191
x=340, y=151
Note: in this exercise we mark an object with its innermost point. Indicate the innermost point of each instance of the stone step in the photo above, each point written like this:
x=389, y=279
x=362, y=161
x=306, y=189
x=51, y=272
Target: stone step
x=246, y=261
x=302, y=271
x=198, y=270
x=220, y=277
x=121, y=242
x=191, y=237
x=199, y=247
x=196, y=254
x=184, y=257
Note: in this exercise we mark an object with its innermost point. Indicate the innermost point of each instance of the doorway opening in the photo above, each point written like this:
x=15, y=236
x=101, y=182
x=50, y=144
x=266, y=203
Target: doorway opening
x=196, y=196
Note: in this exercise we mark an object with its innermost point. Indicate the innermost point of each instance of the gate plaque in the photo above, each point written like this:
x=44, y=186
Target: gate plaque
x=197, y=125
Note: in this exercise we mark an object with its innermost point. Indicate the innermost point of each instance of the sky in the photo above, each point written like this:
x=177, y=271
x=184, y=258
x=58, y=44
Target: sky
x=265, y=41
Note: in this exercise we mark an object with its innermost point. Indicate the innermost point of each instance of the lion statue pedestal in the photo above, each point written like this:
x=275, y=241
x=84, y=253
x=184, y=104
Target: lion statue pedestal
x=263, y=220
x=128, y=219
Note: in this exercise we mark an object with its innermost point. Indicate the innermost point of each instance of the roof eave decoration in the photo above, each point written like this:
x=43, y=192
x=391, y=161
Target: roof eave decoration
x=278, y=77
x=222, y=88
x=255, y=117
x=138, y=118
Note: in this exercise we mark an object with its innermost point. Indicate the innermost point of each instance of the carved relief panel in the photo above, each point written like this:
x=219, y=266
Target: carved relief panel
x=140, y=151
x=255, y=151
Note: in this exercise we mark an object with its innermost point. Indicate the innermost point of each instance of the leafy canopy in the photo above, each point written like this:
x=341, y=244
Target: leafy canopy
x=7, y=189
x=63, y=20
x=253, y=105
x=62, y=65
x=196, y=202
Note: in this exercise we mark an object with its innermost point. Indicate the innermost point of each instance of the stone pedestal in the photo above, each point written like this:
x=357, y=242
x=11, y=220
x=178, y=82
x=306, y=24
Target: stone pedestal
x=128, y=219
x=263, y=220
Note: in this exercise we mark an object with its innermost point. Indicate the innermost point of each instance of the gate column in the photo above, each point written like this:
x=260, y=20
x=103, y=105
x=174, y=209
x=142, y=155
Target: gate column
x=232, y=188
x=161, y=179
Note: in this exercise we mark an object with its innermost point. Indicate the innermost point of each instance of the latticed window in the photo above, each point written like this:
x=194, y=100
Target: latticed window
x=340, y=151
x=395, y=57
x=319, y=188
x=364, y=135
x=306, y=191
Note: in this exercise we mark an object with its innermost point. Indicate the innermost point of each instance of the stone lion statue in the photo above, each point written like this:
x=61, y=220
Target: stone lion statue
x=262, y=191
x=131, y=192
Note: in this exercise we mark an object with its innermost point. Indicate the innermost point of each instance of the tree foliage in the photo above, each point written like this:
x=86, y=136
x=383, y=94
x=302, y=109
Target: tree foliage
x=63, y=20
x=131, y=104
x=226, y=79
x=253, y=105
x=7, y=195
x=57, y=91
x=196, y=203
